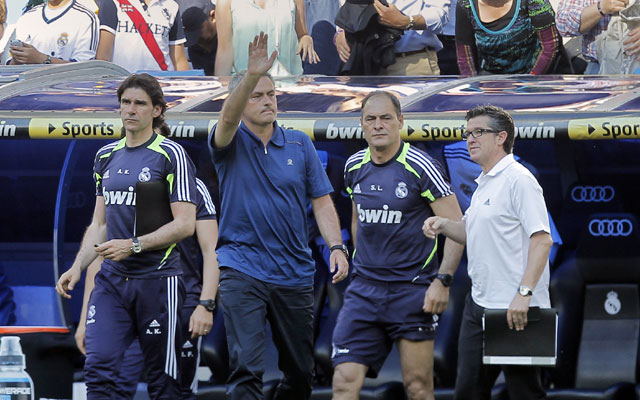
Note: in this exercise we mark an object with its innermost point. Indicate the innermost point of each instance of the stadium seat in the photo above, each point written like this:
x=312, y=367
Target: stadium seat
x=620, y=391
x=597, y=297
x=7, y=305
x=36, y=306
x=499, y=392
x=384, y=391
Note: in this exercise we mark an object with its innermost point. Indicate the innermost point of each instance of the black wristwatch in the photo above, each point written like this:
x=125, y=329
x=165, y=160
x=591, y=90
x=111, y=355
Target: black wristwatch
x=446, y=279
x=136, y=247
x=209, y=304
x=342, y=248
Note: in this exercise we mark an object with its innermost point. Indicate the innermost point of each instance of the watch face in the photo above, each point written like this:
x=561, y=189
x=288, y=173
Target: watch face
x=209, y=305
x=136, y=248
x=445, y=279
x=525, y=291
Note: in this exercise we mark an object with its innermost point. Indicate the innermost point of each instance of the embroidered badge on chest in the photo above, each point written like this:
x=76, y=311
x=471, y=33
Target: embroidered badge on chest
x=63, y=40
x=145, y=175
x=401, y=190
x=166, y=14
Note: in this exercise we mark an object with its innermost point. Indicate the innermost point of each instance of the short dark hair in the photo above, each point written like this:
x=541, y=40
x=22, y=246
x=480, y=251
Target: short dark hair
x=153, y=89
x=500, y=121
x=394, y=100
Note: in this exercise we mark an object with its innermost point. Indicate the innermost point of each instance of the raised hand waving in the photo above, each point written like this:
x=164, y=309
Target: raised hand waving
x=259, y=62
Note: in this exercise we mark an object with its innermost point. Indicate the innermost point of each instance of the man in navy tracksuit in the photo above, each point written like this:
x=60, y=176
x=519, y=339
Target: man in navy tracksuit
x=201, y=284
x=139, y=291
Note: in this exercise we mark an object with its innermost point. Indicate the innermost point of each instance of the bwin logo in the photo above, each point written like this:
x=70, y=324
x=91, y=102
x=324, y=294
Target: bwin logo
x=384, y=216
x=119, y=197
x=182, y=131
x=7, y=130
x=593, y=194
x=335, y=350
x=344, y=132
x=610, y=227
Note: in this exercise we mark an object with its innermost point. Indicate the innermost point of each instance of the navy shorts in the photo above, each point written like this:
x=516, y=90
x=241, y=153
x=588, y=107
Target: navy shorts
x=376, y=314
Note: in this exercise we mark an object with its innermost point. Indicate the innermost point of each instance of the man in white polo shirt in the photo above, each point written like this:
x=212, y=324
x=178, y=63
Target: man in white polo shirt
x=506, y=230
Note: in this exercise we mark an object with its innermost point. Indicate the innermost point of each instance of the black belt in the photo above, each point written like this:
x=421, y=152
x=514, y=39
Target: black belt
x=411, y=53
x=447, y=38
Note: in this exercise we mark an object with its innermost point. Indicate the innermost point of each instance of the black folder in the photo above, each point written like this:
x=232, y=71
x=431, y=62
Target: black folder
x=535, y=345
x=153, y=209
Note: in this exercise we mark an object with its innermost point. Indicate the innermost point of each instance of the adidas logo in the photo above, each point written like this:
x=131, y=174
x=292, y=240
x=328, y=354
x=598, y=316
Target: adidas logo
x=154, y=324
x=357, y=189
x=187, y=345
x=488, y=202
x=106, y=175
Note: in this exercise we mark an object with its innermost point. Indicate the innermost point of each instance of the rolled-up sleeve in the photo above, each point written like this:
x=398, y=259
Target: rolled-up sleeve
x=436, y=15
x=568, y=17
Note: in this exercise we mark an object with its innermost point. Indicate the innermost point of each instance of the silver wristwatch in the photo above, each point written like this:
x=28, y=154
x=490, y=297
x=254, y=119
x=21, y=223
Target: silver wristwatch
x=410, y=24
x=136, y=247
x=525, y=291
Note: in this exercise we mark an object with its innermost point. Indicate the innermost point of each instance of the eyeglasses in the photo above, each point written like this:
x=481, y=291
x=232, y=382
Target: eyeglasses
x=476, y=133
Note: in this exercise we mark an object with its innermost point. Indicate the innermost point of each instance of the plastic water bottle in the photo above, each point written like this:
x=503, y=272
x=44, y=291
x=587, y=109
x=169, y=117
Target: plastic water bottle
x=15, y=383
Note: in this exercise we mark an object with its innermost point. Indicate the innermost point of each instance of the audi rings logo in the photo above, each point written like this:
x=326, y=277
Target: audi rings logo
x=592, y=194
x=610, y=227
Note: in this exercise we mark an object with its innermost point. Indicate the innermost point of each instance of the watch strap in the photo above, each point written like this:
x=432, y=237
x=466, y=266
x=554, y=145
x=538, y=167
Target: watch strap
x=446, y=279
x=136, y=247
x=410, y=25
x=525, y=291
x=342, y=248
x=209, y=304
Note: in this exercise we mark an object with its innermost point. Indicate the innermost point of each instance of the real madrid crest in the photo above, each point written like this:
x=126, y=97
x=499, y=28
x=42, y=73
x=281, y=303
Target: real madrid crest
x=401, y=190
x=90, y=314
x=145, y=175
x=63, y=40
x=612, y=304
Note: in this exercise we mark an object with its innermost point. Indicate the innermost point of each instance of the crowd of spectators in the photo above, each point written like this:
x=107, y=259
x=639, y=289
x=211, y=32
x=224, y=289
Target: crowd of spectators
x=449, y=37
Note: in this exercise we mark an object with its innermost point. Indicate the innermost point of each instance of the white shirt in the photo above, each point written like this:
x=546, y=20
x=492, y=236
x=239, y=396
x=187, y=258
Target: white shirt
x=505, y=210
x=436, y=16
x=129, y=50
x=70, y=34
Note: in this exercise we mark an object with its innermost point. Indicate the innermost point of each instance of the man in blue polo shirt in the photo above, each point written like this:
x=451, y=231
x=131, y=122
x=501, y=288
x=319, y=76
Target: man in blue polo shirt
x=268, y=176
